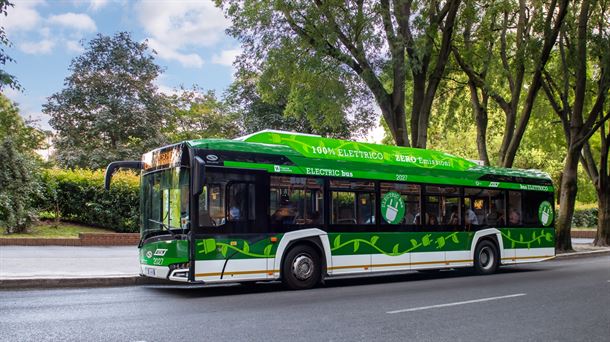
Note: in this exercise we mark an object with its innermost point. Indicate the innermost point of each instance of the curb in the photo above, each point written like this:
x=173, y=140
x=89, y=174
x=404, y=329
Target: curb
x=106, y=281
x=583, y=253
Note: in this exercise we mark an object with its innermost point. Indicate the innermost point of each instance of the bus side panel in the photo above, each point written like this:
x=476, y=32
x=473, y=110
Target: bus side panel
x=529, y=244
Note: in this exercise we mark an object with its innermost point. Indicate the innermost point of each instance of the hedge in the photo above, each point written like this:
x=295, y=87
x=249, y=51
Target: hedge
x=79, y=196
x=585, y=216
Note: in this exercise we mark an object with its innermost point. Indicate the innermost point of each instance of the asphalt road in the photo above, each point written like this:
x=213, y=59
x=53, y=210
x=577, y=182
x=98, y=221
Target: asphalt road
x=563, y=300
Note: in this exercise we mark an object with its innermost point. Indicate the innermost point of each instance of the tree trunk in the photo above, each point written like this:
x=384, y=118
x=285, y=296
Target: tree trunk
x=480, y=112
x=603, y=218
x=569, y=188
x=419, y=91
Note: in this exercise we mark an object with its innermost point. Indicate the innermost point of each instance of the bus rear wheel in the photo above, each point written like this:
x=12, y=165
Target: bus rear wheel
x=486, y=258
x=301, y=268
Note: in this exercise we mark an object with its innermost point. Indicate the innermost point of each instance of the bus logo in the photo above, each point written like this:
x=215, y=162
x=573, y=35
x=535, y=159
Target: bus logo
x=149, y=254
x=160, y=252
x=211, y=157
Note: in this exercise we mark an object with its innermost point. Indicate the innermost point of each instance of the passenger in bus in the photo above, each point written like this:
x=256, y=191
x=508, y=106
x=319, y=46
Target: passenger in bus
x=471, y=217
x=234, y=211
x=514, y=217
x=432, y=220
x=454, y=219
x=286, y=213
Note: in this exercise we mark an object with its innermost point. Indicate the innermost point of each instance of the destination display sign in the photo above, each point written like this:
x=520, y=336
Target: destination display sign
x=162, y=158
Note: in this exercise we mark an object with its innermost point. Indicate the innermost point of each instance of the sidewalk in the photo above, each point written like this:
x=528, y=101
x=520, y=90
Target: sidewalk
x=66, y=266
x=52, y=266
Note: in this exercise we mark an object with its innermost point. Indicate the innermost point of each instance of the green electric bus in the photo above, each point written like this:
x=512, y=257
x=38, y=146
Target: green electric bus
x=301, y=208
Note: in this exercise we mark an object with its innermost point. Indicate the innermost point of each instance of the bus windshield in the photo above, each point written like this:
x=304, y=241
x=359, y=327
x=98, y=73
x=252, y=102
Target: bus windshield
x=164, y=204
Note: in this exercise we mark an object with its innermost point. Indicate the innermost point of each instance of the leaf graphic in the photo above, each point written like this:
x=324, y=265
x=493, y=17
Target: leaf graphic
x=374, y=240
x=454, y=238
x=267, y=250
x=549, y=237
x=337, y=241
x=520, y=237
x=528, y=245
x=512, y=244
x=209, y=245
x=246, y=247
x=356, y=246
x=440, y=242
x=395, y=249
x=223, y=250
x=426, y=240
x=414, y=242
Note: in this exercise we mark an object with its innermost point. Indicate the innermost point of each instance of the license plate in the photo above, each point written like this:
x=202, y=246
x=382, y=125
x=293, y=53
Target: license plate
x=150, y=271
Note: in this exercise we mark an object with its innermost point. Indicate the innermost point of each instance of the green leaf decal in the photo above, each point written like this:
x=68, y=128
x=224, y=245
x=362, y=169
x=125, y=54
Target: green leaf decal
x=267, y=250
x=395, y=249
x=209, y=245
x=549, y=237
x=374, y=240
x=521, y=237
x=414, y=242
x=246, y=247
x=356, y=246
x=426, y=240
x=337, y=241
x=223, y=250
x=454, y=238
x=440, y=242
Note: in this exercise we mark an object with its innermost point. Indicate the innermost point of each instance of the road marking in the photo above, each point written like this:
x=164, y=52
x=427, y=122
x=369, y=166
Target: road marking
x=457, y=303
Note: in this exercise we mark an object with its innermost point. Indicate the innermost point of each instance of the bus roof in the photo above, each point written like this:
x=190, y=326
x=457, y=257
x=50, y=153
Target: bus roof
x=314, y=155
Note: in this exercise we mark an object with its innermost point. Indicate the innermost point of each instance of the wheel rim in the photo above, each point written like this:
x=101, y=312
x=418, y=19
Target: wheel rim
x=486, y=258
x=302, y=267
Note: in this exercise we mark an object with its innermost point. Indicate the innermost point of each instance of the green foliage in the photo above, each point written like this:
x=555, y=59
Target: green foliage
x=19, y=184
x=19, y=187
x=197, y=115
x=284, y=83
x=79, y=196
x=585, y=217
x=110, y=108
x=6, y=79
x=24, y=138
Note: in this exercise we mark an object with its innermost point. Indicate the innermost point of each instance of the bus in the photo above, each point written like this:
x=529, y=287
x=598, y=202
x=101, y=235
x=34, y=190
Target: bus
x=301, y=208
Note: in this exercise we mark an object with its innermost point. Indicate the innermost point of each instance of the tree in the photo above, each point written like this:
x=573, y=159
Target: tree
x=6, y=79
x=384, y=44
x=580, y=102
x=110, y=108
x=299, y=93
x=526, y=33
x=197, y=115
x=19, y=185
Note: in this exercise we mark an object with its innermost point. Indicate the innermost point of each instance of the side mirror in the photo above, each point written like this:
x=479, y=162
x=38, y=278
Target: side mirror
x=198, y=169
x=114, y=166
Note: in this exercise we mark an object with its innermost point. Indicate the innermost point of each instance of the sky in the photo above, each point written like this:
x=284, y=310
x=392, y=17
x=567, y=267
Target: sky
x=188, y=36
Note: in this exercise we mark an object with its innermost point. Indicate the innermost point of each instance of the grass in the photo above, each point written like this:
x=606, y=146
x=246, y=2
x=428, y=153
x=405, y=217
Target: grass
x=48, y=229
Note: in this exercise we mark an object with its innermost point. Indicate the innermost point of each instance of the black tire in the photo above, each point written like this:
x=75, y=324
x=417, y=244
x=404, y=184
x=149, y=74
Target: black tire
x=486, y=258
x=301, y=268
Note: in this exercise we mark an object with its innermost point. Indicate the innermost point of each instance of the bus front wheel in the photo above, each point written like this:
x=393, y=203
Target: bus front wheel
x=301, y=268
x=486, y=258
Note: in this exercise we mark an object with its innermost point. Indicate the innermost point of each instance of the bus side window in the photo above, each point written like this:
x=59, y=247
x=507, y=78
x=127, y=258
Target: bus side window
x=514, y=208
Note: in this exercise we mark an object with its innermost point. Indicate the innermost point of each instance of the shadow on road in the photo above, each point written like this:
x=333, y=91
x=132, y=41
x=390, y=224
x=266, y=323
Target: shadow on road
x=197, y=291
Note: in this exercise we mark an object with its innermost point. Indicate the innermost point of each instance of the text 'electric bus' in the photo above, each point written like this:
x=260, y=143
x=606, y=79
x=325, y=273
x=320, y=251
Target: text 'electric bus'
x=301, y=208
